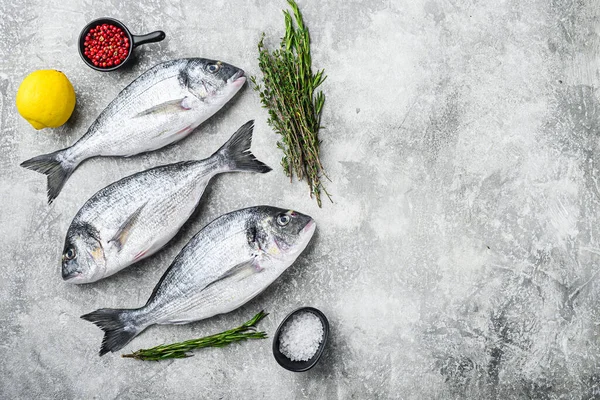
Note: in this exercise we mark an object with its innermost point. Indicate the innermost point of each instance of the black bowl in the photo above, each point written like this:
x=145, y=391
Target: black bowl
x=300, y=366
x=134, y=41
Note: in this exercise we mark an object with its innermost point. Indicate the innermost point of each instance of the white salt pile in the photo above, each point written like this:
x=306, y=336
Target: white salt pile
x=300, y=336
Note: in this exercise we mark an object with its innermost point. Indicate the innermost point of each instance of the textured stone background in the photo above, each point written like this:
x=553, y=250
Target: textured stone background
x=460, y=257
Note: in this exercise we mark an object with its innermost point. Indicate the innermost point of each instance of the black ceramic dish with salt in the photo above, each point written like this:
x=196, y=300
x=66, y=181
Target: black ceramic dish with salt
x=300, y=366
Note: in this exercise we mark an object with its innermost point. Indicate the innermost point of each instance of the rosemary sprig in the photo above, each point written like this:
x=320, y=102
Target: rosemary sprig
x=182, y=349
x=288, y=91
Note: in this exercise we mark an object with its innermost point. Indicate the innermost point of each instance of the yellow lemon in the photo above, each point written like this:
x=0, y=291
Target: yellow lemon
x=46, y=99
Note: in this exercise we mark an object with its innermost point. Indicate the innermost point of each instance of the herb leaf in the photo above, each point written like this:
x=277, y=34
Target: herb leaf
x=182, y=349
x=288, y=92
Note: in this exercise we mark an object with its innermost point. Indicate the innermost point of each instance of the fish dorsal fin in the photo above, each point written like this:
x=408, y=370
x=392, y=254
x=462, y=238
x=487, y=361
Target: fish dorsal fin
x=122, y=234
x=240, y=271
x=171, y=106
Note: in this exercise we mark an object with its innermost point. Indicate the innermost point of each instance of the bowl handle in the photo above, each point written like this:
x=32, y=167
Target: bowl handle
x=148, y=38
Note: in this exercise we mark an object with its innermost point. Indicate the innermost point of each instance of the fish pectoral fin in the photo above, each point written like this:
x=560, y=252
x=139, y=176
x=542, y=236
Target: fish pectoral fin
x=240, y=271
x=171, y=106
x=124, y=231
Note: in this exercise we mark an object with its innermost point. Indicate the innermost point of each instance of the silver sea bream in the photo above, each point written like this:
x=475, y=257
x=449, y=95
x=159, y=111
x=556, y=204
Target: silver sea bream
x=162, y=106
x=223, y=266
x=134, y=217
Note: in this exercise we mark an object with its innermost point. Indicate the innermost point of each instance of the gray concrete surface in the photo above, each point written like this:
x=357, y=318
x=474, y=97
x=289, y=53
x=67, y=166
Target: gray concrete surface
x=459, y=259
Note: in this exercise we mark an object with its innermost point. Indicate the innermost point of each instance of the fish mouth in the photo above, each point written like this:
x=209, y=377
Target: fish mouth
x=309, y=228
x=239, y=78
x=239, y=74
x=71, y=275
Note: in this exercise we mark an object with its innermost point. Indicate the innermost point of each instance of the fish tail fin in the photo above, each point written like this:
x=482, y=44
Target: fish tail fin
x=56, y=167
x=120, y=326
x=236, y=152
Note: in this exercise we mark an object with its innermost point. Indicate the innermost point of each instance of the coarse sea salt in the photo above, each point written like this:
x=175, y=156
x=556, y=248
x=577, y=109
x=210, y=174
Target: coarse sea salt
x=300, y=336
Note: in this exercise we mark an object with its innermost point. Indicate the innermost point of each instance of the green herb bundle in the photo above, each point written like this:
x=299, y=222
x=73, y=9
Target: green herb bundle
x=182, y=349
x=288, y=91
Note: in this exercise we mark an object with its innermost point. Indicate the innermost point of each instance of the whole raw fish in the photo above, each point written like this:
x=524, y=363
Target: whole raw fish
x=226, y=264
x=133, y=218
x=162, y=106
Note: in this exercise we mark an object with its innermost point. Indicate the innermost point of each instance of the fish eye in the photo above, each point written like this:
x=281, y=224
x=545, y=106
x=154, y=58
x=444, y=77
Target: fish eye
x=213, y=68
x=70, y=253
x=283, y=219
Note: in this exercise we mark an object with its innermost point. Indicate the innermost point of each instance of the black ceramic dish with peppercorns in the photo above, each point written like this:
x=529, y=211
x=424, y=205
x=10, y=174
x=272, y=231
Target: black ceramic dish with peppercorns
x=105, y=44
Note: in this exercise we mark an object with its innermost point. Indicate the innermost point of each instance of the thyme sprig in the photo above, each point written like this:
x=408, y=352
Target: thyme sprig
x=288, y=91
x=182, y=349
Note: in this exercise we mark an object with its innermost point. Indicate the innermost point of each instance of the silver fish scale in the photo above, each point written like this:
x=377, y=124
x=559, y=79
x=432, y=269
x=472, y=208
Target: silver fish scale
x=182, y=295
x=168, y=195
x=140, y=86
x=194, y=287
x=117, y=132
x=123, y=130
